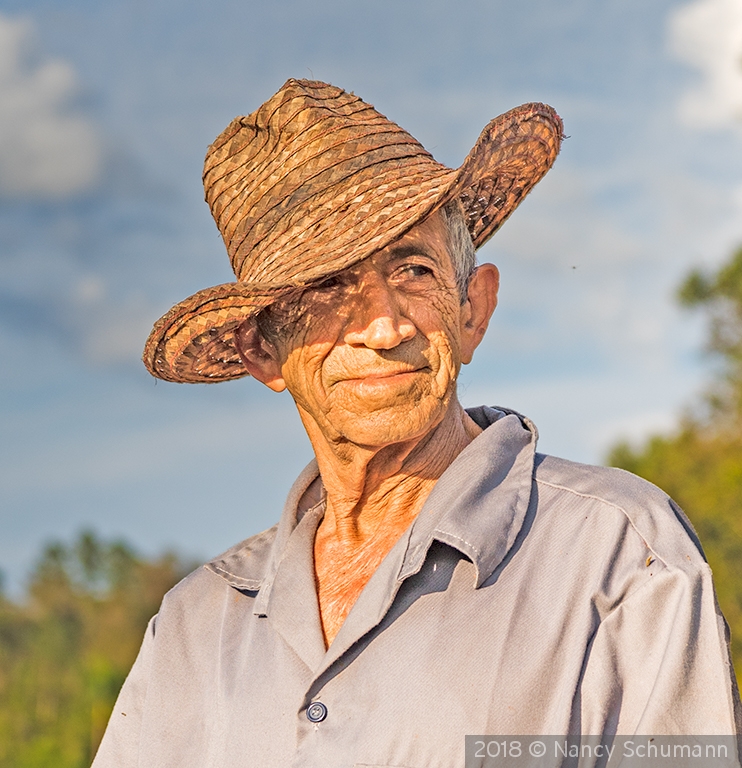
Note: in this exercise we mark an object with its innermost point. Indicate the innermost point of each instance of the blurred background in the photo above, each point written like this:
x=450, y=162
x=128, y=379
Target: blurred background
x=106, y=110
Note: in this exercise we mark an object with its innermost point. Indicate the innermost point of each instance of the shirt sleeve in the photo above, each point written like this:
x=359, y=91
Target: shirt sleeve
x=120, y=745
x=659, y=662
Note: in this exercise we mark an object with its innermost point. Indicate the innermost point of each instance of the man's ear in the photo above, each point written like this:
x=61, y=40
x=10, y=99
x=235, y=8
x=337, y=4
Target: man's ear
x=259, y=356
x=476, y=311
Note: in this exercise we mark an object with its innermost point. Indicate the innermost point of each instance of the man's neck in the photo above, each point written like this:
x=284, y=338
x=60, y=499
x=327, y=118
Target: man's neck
x=372, y=498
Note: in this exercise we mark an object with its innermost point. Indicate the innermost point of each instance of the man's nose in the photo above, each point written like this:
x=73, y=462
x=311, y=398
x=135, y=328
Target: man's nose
x=376, y=320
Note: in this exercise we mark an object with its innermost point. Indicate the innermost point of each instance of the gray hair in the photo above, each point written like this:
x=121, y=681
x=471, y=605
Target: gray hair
x=460, y=245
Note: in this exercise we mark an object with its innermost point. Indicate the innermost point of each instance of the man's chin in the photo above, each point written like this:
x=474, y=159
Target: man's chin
x=393, y=423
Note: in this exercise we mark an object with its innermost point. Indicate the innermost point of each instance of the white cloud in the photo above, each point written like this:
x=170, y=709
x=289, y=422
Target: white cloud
x=117, y=335
x=48, y=148
x=108, y=330
x=707, y=34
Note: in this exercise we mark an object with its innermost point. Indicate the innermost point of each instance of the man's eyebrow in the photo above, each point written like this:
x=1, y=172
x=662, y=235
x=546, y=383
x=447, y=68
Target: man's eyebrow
x=409, y=249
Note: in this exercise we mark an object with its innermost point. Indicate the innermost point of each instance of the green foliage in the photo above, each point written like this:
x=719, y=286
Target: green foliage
x=720, y=296
x=700, y=465
x=65, y=652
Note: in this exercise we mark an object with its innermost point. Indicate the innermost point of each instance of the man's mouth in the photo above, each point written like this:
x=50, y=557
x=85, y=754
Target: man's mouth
x=393, y=373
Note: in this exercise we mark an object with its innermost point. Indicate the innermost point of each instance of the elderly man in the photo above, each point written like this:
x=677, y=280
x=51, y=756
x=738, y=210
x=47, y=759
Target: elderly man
x=431, y=576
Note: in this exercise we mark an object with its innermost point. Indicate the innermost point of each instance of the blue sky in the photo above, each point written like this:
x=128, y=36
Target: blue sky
x=106, y=110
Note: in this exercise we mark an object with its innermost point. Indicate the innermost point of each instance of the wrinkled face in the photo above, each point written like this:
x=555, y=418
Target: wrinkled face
x=372, y=354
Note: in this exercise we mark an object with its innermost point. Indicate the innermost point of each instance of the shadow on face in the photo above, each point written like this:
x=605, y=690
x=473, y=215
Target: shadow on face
x=372, y=353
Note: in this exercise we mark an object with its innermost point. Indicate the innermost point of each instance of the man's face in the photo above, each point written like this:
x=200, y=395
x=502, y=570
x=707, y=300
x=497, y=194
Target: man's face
x=371, y=354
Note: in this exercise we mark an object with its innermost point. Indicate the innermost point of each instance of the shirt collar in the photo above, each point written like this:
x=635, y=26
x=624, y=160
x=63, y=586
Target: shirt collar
x=480, y=502
x=477, y=506
x=247, y=564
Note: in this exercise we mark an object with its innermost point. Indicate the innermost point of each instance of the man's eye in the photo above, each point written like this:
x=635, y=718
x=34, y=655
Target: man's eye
x=416, y=270
x=331, y=282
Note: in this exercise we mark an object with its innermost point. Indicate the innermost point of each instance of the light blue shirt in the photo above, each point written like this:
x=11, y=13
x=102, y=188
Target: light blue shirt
x=531, y=595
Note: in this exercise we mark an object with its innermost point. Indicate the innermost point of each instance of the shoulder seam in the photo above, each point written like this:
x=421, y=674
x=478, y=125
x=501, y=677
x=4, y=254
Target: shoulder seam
x=609, y=504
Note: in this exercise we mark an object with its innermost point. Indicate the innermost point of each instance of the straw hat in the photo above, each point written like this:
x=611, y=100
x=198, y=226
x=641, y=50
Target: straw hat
x=316, y=180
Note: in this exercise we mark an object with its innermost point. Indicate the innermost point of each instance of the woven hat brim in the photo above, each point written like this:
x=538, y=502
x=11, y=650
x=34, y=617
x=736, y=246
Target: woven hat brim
x=511, y=156
x=194, y=341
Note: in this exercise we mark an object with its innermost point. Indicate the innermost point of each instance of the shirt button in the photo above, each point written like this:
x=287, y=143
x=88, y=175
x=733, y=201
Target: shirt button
x=316, y=712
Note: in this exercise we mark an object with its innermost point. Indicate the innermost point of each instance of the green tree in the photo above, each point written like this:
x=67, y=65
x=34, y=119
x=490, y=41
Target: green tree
x=64, y=652
x=700, y=464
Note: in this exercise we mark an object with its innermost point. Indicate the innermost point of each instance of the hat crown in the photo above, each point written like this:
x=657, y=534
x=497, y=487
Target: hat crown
x=284, y=181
